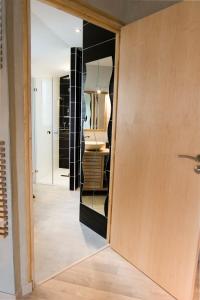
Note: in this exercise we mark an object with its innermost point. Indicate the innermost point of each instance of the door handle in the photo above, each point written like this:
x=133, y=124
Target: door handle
x=48, y=132
x=197, y=169
x=195, y=158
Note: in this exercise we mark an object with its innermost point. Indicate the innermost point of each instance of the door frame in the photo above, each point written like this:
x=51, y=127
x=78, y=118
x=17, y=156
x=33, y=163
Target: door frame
x=97, y=17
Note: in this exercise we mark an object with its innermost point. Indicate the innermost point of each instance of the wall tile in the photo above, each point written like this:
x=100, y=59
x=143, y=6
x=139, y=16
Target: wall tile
x=75, y=115
x=94, y=35
x=64, y=123
x=100, y=51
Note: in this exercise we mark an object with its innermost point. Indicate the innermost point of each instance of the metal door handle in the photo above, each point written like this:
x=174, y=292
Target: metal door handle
x=48, y=132
x=195, y=158
x=197, y=169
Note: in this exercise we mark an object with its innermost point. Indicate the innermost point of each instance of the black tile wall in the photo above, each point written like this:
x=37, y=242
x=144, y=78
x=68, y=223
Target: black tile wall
x=98, y=43
x=75, y=116
x=94, y=35
x=64, y=123
x=99, y=51
x=94, y=220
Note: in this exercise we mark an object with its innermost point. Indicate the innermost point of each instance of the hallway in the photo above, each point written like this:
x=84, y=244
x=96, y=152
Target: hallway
x=104, y=276
x=60, y=239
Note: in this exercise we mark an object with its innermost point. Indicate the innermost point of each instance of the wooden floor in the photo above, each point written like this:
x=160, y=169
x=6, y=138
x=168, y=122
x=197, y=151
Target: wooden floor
x=105, y=275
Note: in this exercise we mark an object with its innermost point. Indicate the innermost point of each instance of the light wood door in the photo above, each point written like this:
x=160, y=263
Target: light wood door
x=156, y=195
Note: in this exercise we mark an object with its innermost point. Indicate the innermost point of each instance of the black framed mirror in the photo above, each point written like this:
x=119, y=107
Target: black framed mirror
x=96, y=114
x=97, y=106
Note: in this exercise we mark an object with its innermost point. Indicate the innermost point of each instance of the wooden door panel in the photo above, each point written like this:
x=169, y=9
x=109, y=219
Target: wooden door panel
x=156, y=207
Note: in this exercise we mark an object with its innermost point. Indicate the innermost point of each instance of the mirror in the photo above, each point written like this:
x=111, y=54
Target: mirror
x=97, y=106
x=96, y=115
x=96, y=94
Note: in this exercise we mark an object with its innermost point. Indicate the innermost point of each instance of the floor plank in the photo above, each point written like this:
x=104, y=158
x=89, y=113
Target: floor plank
x=104, y=276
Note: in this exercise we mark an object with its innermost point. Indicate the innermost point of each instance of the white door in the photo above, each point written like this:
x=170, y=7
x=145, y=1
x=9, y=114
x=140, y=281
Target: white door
x=43, y=124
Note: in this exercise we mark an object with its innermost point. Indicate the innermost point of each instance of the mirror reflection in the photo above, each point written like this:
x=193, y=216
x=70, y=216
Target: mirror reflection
x=96, y=94
x=97, y=110
x=96, y=115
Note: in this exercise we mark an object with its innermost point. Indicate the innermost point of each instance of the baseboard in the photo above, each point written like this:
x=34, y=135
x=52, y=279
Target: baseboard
x=26, y=289
x=4, y=296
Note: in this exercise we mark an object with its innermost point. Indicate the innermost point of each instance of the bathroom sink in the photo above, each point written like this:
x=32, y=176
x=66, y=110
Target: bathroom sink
x=92, y=145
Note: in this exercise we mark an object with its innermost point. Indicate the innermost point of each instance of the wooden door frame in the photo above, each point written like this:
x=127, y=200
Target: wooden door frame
x=76, y=8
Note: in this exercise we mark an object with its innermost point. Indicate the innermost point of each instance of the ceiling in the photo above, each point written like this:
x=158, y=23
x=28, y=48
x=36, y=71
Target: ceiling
x=128, y=11
x=52, y=35
x=53, y=31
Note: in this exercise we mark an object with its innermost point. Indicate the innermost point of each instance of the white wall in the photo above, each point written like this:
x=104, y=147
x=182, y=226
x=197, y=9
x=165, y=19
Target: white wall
x=7, y=282
x=50, y=56
x=52, y=36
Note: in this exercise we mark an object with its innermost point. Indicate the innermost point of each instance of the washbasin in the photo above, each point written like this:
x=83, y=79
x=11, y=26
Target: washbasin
x=92, y=145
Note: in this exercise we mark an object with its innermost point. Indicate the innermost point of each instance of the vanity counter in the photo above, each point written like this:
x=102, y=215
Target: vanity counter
x=102, y=152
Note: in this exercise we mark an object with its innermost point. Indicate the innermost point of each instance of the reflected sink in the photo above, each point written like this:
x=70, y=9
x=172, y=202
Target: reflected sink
x=92, y=145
